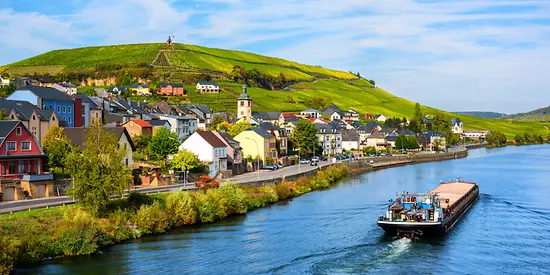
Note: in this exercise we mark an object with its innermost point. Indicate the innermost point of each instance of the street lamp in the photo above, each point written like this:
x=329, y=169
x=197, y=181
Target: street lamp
x=258, y=156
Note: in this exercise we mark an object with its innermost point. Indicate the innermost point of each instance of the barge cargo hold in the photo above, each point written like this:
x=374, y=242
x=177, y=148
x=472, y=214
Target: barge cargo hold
x=429, y=214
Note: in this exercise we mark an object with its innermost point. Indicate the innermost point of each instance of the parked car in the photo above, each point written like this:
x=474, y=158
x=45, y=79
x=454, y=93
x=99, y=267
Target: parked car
x=269, y=167
x=314, y=163
x=322, y=158
x=315, y=159
x=304, y=161
x=384, y=154
x=279, y=166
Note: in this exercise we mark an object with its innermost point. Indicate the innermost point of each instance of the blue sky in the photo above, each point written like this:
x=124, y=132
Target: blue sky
x=490, y=55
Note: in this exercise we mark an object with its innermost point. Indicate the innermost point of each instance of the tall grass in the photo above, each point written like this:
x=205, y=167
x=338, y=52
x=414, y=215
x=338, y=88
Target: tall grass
x=27, y=238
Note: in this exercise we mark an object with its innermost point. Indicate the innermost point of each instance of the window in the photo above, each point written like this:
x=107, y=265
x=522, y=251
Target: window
x=70, y=119
x=11, y=167
x=58, y=109
x=51, y=107
x=12, y=146
x=25, y=145
x=64, y=109
x=21, y=168
x=242, y=103
x=69, y=109
x=64, y=118
x=18, y=131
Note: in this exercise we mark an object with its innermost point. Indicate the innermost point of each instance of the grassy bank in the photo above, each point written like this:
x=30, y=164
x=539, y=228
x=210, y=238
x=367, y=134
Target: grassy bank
x=29, y=237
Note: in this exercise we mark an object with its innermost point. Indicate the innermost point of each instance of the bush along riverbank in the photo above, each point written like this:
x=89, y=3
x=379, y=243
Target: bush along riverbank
x=30, y=237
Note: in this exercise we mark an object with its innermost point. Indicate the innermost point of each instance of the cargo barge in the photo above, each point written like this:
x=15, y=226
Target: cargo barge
x=429, y=214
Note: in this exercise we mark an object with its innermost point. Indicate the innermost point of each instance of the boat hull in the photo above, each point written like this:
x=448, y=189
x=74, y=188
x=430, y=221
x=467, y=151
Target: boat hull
x=429, y=229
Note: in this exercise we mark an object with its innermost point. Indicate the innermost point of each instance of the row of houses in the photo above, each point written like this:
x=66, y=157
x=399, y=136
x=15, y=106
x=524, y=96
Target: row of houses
x=141, y=89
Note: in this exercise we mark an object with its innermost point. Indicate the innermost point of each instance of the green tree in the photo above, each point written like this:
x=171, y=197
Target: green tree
x=185, y=160
x=7, y=90
x=57, y=146
x=519, y=139
x=412, y=143
x=370, y=150
x=4, y=115
x=215, y=122
x=402, y=142
x=527, y=138
x=495, y=139
x=304, y=137
x=290, y=99
x=416, y=121
x=437, y=144
x=163, y=144
x=98, y=170
x=224, y=126
x=238, y=128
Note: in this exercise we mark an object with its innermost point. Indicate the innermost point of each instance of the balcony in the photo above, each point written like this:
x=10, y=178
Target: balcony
x=37, y=177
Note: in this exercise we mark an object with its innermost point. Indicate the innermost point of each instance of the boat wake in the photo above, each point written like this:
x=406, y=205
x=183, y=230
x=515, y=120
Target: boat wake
x=395, y=249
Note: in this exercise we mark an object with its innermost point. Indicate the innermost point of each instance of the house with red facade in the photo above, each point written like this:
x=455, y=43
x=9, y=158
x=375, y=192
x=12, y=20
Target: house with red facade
x=170, y=89
x=21, y=160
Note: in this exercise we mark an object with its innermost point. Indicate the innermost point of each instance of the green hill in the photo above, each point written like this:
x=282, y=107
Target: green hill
x=541, y=114
x=187, y=63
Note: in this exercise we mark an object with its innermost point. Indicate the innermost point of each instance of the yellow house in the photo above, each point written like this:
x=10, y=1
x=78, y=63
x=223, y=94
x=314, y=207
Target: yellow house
x=257, y=142
x=141, y=89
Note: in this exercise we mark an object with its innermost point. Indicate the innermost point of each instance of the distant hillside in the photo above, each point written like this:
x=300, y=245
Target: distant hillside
x=277, y=84
x=542, y=114
x=482, y=114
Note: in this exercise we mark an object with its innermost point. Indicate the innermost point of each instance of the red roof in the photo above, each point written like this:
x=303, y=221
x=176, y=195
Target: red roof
x=289, y=115
x=141, y=123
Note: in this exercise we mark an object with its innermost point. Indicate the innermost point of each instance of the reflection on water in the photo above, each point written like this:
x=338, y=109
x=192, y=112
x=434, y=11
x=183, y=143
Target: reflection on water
x=335, y=232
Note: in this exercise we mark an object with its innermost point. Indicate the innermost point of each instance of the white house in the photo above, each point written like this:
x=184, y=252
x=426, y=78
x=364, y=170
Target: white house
x=4, y=82
x=209, y=148
x=350, y=140
x=456, y=126
x=381, y=118
x=65, y=87
x=336, y=116
x=475, y=134
x=184, y=126
x=310, y=113
x=208, y=87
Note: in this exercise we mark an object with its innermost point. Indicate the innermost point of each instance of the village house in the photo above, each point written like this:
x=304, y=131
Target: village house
x=38, y=121
x=138, y=127
x=368, y=116
x=256, y=142
x=475, y=134
x=159, y=123
x=21, y=162
x=116, y=90
x=310, y=113
x=90, y=111
x=4, y=81
x=65, y=87
x=367, y=129
x=210, y=149
x=275, y=118
x=429, y=140
x=328, y=111
x=171, y=89
x=456, y=126
x=200, y=112
x=330, y=139
x=45, y=81
x=376, y=140
x=350, y=115
x=234, y=152
x=244, y=104
x=350, y=140
x=51, y=99
x=280, y=134
x=141, y=89
x=381, y=118
x=208, y=87
x=78, y=136
x=183, y=126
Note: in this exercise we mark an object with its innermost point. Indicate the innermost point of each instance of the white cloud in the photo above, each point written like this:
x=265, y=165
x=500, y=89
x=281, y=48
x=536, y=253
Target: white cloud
x=425, y=51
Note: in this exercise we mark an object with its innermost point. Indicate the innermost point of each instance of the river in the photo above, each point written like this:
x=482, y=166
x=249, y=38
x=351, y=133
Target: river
x=334, y=231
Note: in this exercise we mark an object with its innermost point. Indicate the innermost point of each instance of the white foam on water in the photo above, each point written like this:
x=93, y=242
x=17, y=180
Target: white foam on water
x=398, y=247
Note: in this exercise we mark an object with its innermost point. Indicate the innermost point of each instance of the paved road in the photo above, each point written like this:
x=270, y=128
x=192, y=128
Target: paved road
x=24, y=205
x=268, y=174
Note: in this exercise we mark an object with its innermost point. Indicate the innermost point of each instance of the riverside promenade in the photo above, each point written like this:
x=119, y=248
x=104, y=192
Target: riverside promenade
x=258, y=178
